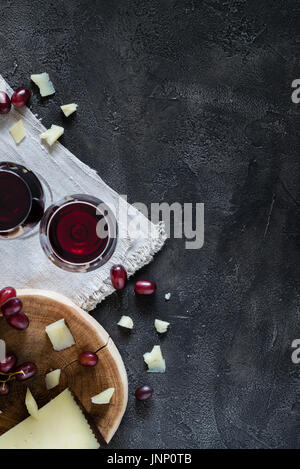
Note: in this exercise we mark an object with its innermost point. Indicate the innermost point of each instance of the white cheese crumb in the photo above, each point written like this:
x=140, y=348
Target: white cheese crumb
x=31, y=405
x=167, y=296
x=68, y=109
x=126, y=321
x=18, y=132
x=42, y=80
x=104, y=397
x=155, y=360
x=161, y=326
x=52, y=379
x=60, y=335
x=51, y=135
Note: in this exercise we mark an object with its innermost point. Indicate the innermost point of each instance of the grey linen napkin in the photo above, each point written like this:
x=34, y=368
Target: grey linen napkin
x=23, y=262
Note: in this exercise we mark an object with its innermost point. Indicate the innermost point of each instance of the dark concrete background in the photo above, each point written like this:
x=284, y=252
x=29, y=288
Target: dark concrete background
x=189, y=101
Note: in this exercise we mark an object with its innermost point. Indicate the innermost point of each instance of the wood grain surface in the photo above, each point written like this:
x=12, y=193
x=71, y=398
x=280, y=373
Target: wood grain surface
x=44, y=308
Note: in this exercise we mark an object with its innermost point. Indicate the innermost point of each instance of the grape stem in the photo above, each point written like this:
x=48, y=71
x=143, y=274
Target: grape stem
x=10, y=376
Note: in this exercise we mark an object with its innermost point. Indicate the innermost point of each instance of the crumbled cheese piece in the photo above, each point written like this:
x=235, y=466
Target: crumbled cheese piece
x=31, y=405
x=68, y=109
x=161, y=326
x=18, y=132
x=51, y=135
x=42, y=80
x=155, y=361
x=104, y=397
x=126, y=321
x=167, y=296
x=52, y=379
x=60, y=335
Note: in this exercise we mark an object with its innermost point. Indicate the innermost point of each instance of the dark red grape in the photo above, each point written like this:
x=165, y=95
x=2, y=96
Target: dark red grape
x=144, y=287
x=118, y=276
x=88, y=359
x=5, y=103
x=143, y=393
x=6, y=293
x=8, y=363
x=11, y=306
x=19, y=321
x=4, y=389
x=28, y=370
x=20, y=97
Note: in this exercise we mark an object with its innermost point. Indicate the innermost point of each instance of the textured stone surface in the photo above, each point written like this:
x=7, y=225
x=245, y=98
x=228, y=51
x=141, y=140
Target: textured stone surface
x=189, y=101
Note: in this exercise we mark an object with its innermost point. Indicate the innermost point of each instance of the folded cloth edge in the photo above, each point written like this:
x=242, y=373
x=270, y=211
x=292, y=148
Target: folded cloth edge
x=135, y=261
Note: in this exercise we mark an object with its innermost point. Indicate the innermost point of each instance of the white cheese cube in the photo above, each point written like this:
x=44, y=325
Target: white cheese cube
x=31, y=405
x=161, y=326
x=104, y=397
x=68, y=109
x=42, y=80
x=52, y=379
x=61, y=425
x=155, y=361
x=18, y=132
x=53, y=134
x=60, y=335
x=126, y=321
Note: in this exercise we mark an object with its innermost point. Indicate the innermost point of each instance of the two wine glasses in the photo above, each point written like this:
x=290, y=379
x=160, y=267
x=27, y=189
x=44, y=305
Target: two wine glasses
x=77, y=233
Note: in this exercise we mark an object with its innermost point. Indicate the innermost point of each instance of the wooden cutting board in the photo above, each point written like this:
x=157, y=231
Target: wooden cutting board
x=43, y=308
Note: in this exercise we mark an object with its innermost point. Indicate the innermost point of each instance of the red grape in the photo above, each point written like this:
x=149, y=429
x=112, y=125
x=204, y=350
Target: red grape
x=143, y=393
x=5, y=103
x=11, y=306
x=6, y=293
x=88, y=359
x=20, y=97
x=19, y=321
x=118, y=276
x=8, y=363
x=4, y=389
x=144, y=287
x=28, y=370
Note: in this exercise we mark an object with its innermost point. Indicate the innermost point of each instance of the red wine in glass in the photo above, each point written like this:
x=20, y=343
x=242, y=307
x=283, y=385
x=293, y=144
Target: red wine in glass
x=70, y=234
x=22, y=200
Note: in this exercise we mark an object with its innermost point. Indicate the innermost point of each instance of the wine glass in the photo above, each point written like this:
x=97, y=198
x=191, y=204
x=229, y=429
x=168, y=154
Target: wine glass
x=79, y=233
x=22, y=200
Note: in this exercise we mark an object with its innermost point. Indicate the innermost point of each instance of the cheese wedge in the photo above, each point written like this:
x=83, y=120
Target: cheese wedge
x=60, y=335
x=18, y=132
x=155, y=361
x=61, y=425
x=42, y=80
x=161, y=326
x=126, y=322
x=68, y=109
x=104, y=397
x=52, y=379
x=52, y=134
x=31, y=405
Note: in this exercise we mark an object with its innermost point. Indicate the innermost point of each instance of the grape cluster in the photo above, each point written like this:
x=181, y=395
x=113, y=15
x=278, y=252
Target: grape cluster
x=18, y=99
x=11, y=309
x=9, y=372
x=118, y=277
